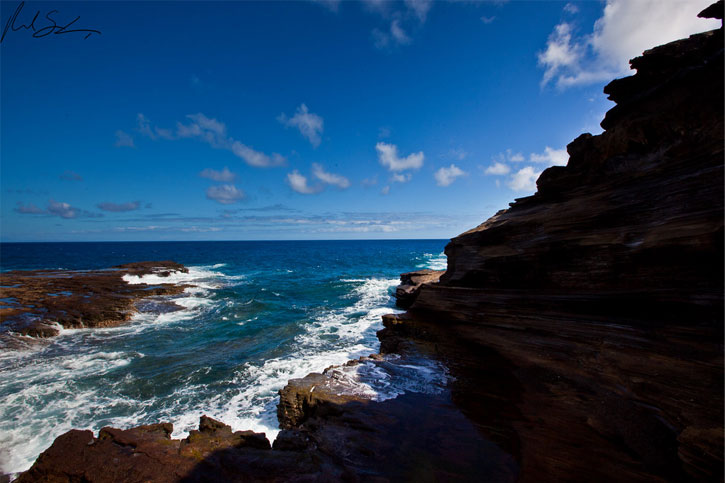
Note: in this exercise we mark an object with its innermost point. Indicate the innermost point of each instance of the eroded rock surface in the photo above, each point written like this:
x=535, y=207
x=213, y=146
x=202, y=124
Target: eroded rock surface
x=36, y=302
x=595, y=306
x=410, y=283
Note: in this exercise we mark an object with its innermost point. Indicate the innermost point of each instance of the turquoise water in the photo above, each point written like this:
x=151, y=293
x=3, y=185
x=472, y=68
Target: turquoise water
x=257, y=314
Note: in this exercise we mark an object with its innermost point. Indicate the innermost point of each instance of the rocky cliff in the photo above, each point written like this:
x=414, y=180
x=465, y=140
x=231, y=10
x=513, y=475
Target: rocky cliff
x=581, y=329
x=599, y=300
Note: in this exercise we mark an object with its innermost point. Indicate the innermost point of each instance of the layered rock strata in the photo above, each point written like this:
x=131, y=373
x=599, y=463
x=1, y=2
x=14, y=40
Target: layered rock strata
x=410, y=283
x=595, y=306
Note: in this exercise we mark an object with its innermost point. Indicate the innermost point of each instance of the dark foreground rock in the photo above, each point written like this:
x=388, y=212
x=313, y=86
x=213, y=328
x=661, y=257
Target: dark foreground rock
x=582, y=329
x=36, y=302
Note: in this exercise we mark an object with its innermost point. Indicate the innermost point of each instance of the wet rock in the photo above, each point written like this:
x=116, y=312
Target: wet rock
x=38, y=303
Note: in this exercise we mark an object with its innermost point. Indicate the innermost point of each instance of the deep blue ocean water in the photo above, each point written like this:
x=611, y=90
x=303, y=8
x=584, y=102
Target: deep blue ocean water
x=259, y=313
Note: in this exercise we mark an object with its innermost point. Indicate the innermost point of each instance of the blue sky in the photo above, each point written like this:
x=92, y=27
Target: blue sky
x=300, y=120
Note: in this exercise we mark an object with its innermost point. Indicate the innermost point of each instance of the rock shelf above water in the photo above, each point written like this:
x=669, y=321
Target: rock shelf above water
x=38, y=303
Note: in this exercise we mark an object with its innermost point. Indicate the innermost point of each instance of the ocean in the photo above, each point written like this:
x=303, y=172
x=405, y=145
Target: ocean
x=257, y=314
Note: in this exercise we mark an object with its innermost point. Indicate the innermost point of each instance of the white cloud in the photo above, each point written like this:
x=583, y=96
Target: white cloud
x=487, y=20
x=214, y=133
x=331, y=5
x=395, y=36
x=29, y=209
x=70, y=176
x=223, y=176
x=552, y=157
x=419, y=7
x=64, y=210
x=329, y=178
x=498, y=169
x=445, y=176
x=257, y=158
x=123, y=139
x=524, y=179
x=225, y=194
x=401, y=177
x=388, y=157
x=571, y=8
x=398, y=33
x=457, y=153
x=385, y=190
x=561, y=53
x=309, y=124
x=298, y=183
x=120, y=207
x=625, y=29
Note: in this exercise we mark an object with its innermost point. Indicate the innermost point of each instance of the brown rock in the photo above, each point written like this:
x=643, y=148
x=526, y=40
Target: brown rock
x=594, y=308
x=37, y=301
x=410, y=282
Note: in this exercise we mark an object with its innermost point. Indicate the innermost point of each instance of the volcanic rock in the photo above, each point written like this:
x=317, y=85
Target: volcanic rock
x=410, y=282
x=38, y=303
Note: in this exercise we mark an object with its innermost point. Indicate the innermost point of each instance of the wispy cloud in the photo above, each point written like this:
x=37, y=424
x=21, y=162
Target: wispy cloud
x=70, y=176
x=571, y=8
x=123, y=139
x=329, y=178
x=119, y=207
x=394, y=36
x=223, y=176
x=214, y=133
x=420, y=8
x=29, y=209
x=225, y=194
x=551, y=157
x=447, y=175
x=400, y=177
x=624, y=31
x=524, y=179
x=309, y=124
x=299, y=184
x=65, y=210
x=488, y=20
x=388, y=157
x=498, y=168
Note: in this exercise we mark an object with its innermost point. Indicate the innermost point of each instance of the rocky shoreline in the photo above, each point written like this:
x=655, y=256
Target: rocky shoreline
x=39, y=303
x=581, y=329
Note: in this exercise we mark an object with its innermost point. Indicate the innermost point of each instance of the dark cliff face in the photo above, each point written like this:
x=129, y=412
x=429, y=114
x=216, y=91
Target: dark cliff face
x=598, y=301
x=639, y=207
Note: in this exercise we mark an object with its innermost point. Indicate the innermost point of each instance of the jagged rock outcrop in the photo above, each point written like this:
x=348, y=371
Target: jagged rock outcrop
x=144, y=453
x=36, y=302
x=410, y=282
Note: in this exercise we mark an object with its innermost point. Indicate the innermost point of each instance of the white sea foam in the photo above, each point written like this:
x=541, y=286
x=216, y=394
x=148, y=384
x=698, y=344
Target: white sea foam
x=52, y=384
x=196, y=275
x=330, y=338
x=433, y=261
